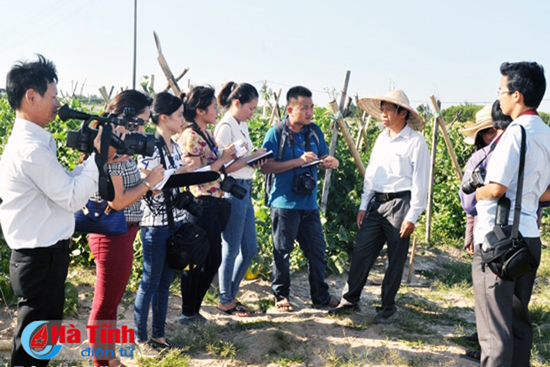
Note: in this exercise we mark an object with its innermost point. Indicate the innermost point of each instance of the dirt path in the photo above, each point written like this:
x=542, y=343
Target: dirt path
x=307, y=337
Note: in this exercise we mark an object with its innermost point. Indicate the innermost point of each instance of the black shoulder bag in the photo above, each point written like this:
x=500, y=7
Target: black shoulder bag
x=188, y=247
x=504, y=249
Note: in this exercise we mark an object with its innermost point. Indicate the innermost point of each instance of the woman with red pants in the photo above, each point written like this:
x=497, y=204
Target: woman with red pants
x=113, y=254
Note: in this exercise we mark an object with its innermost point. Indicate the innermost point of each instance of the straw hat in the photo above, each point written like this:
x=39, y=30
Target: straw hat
x=471, y=129
x=397, y=97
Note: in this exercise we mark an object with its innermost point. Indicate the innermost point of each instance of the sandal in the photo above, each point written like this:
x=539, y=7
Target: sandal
x=238, y=310
x=244, y=308
x=284, y=305
x=472, y=355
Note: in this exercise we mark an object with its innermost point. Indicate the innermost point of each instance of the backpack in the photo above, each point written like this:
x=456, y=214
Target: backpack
x=282, y=138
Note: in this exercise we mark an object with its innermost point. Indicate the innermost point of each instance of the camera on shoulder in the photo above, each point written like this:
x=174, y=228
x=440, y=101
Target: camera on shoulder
x=83, y=139
x=303, y=183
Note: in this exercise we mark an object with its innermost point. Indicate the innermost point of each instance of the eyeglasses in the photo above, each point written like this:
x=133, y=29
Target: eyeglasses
x=501, y=92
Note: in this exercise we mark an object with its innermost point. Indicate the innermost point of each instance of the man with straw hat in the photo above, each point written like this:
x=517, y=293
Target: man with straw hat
x=394, y=196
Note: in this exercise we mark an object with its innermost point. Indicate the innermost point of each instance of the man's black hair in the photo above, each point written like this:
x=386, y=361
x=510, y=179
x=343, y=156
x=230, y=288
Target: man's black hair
x=297, y=91
x=500, y=120
x=526, y=78
x=29, y=75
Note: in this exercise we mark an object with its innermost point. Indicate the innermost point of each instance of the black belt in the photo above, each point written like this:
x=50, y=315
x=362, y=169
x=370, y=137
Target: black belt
x=383, y=197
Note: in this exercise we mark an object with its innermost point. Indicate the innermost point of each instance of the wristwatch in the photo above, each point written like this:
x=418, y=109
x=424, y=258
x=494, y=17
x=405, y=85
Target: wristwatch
x=147, y=183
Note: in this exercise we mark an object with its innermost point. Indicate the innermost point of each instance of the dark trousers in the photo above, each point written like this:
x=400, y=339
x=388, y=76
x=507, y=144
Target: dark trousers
x=502, y=313
x=194, y=284
x=305, y=226
x=382, y=223
x=38, y=279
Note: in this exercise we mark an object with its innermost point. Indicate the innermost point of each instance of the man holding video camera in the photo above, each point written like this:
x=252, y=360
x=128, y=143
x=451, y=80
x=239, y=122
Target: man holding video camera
x=39, y=198
x=502, y=314
x=293, y=198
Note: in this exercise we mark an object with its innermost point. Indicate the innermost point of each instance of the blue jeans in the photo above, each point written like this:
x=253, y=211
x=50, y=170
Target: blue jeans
x=155, y=282
x=238, y=244
x=305, y=226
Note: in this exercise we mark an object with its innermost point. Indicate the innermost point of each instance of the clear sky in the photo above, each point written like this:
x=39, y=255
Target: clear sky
x=452, y=49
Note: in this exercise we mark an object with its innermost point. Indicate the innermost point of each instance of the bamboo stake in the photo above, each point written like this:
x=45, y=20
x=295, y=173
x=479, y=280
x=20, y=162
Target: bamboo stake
x=429, y=211
x=349, y=140
x=334, y=140
x=411, y=262
x=446, y=137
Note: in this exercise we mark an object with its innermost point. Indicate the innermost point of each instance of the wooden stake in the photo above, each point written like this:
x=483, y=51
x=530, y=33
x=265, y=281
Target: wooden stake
x=178, y=78
x=334, y=140
x=411, y=262
x=275, y=108
x=446, y=137
x=349, y=140
x=165, y=68
x=104, y=95
x=429, y=211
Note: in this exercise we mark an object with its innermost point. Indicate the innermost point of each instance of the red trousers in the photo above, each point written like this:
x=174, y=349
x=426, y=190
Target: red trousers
x=113, y=257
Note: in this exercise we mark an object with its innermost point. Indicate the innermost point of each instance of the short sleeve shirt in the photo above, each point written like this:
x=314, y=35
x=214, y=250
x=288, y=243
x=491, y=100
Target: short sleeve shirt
x=282, y=195
x=154, y=208
x=130, y=179
x=193, y=145
x=503, y=169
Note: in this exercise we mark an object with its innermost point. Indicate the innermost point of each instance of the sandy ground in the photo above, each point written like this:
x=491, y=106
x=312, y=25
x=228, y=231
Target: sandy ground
x=310, y=334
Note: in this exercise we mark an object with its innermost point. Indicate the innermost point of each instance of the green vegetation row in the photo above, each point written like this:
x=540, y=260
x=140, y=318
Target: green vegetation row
x=345, y=191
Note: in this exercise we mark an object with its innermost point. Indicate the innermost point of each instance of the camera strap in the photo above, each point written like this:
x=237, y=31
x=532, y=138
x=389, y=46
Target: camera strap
x=206, y=137
x=519, y=192
x=105, y=186
x=162, y=146
x=291, y=135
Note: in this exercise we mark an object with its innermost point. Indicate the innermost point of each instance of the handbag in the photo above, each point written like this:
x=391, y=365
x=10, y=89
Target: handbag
x=188, y=248
x=99, y=217
x=504, y=250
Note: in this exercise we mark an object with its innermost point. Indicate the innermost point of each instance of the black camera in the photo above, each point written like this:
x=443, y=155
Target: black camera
x=476, y=180
x=230, y=185
x=186, y=201
x=83, y=139
x=303, y=183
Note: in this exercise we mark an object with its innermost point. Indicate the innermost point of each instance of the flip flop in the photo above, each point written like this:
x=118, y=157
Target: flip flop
x=284, y=305
x=235, y=311
x=244, y=308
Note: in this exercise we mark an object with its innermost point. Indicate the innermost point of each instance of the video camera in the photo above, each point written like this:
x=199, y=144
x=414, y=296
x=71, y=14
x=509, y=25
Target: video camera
x=83, y=139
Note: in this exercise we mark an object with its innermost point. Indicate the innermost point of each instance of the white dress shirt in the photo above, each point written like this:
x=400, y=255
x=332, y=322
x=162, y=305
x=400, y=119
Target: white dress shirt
x=39, y=196
x=228, y=130
x=399, y=164
x=503, y=169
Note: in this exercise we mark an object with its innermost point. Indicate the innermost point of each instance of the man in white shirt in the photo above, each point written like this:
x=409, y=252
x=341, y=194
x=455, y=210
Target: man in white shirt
x=394, y=196
x=502, y=314
x=39, y=198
